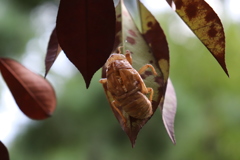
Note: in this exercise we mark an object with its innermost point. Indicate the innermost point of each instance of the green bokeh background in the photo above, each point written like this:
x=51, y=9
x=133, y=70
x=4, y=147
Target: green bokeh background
x=207, y=123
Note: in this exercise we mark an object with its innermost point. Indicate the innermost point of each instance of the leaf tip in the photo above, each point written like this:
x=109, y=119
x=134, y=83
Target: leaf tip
x=133, y=140
x=225, y=70
x=221, y=61
x=4, y=155
x=87, y=82
x=45, y=75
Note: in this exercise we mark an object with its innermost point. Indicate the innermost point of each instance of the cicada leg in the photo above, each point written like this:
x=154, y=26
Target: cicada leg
x=144, y=89
x=128, y=56
x=145, y=67
x=119, y=49
x=150, y=91
x=103, y=80
x=119, y=112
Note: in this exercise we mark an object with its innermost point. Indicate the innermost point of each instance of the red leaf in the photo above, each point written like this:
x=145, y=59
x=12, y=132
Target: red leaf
x=4, y=155
x=86, y=30
x=33, y=94
x=53, y=51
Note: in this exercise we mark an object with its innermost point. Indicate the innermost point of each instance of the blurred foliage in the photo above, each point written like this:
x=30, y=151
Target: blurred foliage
x=15, y=25
x=15, y=30
x=84, y=128
x=27, y=5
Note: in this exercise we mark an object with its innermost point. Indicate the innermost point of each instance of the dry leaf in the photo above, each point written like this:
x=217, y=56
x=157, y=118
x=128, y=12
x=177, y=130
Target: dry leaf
x=33, y=94
x=206, y=25
x=53, y=51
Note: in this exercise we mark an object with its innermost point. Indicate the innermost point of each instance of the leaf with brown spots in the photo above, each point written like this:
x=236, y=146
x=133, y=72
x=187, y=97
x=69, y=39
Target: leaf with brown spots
x=206, y=25
x=53, y=51
x=133, y=41
x=156, y=39
x=86, y=30
x=4, y=155
x=33, y=94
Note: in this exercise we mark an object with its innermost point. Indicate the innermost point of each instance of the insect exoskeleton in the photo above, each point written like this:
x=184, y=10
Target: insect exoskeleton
x=127, y=87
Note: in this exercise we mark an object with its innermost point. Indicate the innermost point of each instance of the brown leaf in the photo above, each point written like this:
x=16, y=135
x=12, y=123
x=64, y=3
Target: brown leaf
x=206, y=25
x=169, y=110
x=33, y=94
x=53, y=51
x=86, y=30
x=4, y=155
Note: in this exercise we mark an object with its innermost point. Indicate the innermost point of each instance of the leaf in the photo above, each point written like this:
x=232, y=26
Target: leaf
x=4, y=155
x=170, y=2
x=53, y=51
x=133, y=41
x=33, y=94
x=86, y=30
x=156, y=39
x=206, y=25
x=169, y=110
x=118, y=32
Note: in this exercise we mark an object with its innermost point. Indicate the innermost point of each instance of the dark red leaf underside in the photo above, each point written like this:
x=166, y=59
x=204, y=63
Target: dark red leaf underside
x=33, y=94
x=4, y=155
x=53, y=51
x=206, y=25
x=86, y=31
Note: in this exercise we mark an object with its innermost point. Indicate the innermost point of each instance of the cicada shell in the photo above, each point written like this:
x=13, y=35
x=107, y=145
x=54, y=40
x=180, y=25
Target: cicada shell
x=127, y=88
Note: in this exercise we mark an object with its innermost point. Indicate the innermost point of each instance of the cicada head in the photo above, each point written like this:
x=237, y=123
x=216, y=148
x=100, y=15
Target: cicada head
x=117, y=60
